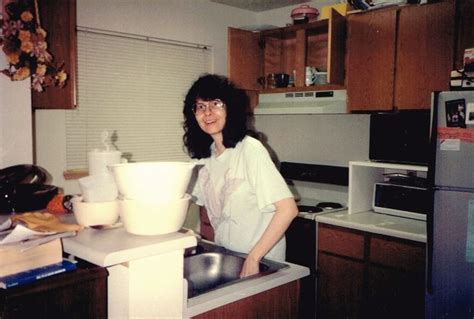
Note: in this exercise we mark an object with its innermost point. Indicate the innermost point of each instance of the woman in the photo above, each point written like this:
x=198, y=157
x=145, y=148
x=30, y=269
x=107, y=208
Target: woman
x=248, y=202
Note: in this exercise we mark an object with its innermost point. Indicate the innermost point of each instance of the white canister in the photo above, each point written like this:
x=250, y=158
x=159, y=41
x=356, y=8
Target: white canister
x=310, y=75
x=99, y=160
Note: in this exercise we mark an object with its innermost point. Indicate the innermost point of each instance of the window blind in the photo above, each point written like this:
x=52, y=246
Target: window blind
x=134, y=88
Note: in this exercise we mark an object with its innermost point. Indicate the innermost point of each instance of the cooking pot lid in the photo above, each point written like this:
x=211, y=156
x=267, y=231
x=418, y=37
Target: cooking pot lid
x=304, y=10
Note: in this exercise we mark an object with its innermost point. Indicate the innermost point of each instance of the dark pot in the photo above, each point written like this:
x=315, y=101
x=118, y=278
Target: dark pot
x=282, y=80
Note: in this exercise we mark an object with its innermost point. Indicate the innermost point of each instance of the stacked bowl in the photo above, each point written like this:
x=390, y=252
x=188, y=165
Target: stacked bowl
x=98, y=204
x=153, y=195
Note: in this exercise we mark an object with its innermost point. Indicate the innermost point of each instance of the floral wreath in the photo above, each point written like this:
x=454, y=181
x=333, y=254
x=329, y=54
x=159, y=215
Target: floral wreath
x=23, y=41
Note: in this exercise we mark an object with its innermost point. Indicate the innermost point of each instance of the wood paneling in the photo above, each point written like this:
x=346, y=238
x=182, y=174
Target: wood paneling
x=245, y=66
x=341, y=241
x=401, y=254
x=370, y=60
x=58, y=18
x=279, y=302
x=424, y=53
x=340, y=287
x=388, y=282
x=465, y=31
x=79, y=294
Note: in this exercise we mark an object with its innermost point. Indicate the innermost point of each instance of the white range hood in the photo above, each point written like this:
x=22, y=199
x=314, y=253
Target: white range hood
x=307, y=102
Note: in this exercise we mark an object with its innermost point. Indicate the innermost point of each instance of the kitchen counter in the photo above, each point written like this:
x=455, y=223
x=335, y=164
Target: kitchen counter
x=225, y=295
x=372, y=222
x=146, y=274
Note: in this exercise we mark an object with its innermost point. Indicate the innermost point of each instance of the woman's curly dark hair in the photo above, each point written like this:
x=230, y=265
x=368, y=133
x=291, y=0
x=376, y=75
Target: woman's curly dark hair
x=209, y=87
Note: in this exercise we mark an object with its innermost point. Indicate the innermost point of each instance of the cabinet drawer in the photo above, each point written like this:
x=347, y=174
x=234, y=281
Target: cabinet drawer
x=397, y=253
x=341, y=241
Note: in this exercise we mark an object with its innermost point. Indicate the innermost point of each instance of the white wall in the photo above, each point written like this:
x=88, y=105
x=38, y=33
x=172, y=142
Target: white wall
x=325, y=139
x=16, y=131
x=342, y=137
x=196, y=21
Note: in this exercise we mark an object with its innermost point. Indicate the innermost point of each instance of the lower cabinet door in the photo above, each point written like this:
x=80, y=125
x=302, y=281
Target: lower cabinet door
x=340, y=287
x=394, y=293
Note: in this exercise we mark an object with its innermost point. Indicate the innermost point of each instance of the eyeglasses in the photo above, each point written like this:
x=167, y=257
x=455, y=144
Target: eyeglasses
x=213, y=105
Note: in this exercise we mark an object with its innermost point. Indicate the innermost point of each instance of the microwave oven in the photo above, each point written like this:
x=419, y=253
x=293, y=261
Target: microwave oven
x=401, y=200
x=401, y=137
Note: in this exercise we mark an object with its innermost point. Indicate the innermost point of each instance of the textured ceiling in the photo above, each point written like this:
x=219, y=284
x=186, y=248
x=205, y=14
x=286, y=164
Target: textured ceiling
x=259, y=5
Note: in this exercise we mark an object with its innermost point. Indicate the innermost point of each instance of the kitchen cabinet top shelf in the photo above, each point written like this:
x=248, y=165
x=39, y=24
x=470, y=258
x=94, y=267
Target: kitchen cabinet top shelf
x=289, y=31
x=252, y=56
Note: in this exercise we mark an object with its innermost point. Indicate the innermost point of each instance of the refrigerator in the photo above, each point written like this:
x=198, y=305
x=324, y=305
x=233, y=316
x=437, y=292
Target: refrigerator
x=449, y=289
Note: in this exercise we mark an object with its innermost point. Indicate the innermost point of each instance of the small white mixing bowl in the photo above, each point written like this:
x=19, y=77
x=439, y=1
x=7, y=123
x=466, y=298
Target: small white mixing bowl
x=95, y=213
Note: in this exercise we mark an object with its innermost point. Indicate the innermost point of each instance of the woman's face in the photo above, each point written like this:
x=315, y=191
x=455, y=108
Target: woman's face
x=211, y=116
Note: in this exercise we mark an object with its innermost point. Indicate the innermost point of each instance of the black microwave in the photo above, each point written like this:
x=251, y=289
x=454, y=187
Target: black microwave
x=401, y=137
x=401, y=200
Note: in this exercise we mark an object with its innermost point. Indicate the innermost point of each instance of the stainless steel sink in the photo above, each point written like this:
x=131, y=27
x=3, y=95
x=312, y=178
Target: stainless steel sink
x=210, y=267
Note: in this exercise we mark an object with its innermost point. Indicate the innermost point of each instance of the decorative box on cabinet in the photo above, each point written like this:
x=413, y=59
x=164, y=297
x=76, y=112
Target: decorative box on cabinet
x=58, y=18
x=396, y=57
x=364, y=174
x=252, y=55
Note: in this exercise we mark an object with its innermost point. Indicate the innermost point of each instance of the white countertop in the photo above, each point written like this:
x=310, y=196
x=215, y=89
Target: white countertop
x=372, y=222
x=114, y=246
x=227, y=294
x=110, y=247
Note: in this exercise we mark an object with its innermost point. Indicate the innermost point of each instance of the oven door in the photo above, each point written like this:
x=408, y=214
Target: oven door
x=301, y=250
x=301, y=243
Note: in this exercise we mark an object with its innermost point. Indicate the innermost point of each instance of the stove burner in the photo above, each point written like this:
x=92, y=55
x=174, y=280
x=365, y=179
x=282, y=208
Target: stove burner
x=328, y=205
x=309, y=209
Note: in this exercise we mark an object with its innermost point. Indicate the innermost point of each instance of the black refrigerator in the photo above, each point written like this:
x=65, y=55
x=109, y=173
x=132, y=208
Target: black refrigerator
x=450, y=224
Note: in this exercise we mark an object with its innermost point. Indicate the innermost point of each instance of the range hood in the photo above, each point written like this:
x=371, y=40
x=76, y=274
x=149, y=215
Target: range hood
x=308, y=102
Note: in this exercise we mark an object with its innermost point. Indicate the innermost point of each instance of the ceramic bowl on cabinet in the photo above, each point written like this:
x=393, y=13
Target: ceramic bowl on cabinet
x=152, y=217
x=95, y=213
x=157, y=181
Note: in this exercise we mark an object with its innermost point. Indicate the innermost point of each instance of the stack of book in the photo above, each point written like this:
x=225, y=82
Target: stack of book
x=20, y=265
x=31, y=248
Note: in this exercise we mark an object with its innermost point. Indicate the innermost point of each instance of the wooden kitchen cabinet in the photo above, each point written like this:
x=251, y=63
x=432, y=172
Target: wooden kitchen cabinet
x=397, y=56
x=58, y=18
x=465, y=31
x=365, y=275
x=253, y=55
x=81, y=293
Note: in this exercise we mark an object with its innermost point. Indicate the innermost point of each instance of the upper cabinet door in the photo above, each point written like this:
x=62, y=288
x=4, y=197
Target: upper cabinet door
x=370, y=60
x=244, y=58
x=336, y=48
x=424, y=53
x=58, y=18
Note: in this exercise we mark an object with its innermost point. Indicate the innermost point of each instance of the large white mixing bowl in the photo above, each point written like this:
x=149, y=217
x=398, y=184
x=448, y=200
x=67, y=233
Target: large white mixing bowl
x=146, y=217
x=158, y=181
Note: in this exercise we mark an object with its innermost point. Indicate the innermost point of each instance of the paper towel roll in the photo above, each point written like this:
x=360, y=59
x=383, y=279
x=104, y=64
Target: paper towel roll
x=100, y=159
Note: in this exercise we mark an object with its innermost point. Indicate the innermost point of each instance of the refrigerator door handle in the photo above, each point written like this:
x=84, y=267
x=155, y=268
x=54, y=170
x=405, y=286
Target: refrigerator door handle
x=431, y=182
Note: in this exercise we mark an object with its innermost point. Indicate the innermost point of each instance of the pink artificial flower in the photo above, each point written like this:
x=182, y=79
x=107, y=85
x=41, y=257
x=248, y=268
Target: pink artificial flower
x=11, y=27
x=37, y=81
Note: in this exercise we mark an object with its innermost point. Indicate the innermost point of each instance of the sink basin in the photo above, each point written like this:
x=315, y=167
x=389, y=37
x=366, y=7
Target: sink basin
x=216, y=267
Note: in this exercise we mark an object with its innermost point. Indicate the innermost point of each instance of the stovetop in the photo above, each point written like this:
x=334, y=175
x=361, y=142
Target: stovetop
x=316, y=201
x=310, y=208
